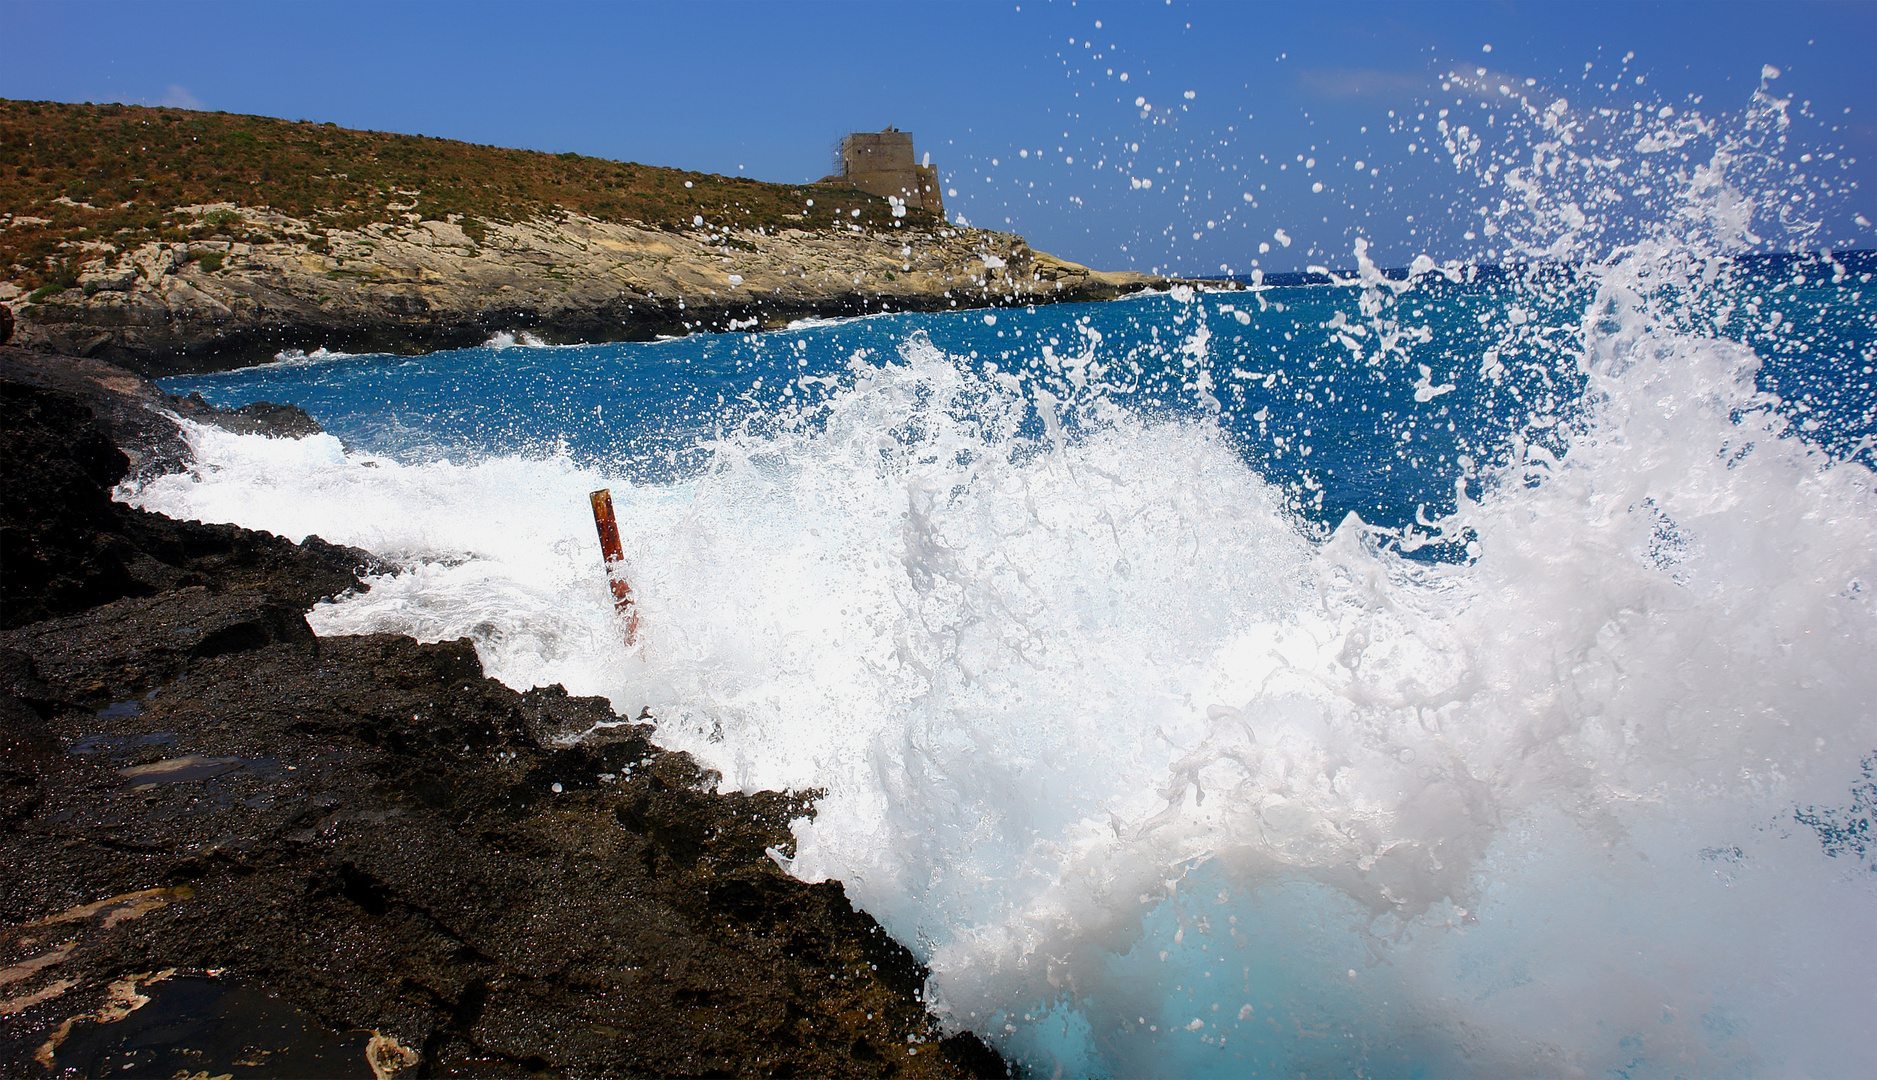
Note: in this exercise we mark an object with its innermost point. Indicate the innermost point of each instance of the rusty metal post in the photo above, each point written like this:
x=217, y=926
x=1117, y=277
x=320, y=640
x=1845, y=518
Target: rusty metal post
x=613, y=554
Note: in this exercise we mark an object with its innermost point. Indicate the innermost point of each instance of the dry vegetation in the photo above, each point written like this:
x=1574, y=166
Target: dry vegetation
x=78, y=176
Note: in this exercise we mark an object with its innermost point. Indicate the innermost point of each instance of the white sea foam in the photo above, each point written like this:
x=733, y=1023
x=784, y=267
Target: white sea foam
x=502, y=339
x=301, y=358
x=1046, y=691
x=1158, y=786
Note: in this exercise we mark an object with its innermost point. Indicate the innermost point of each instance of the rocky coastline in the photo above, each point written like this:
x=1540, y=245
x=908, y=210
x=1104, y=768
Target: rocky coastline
x=234, y=848
x=414, y=285
x=169, y=241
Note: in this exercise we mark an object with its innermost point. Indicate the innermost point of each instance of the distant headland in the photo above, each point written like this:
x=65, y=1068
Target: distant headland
x=168, y=241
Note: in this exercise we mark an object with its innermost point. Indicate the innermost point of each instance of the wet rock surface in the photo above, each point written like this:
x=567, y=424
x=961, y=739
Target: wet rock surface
x=133, y=414
x=67, y=547
x=232, y=847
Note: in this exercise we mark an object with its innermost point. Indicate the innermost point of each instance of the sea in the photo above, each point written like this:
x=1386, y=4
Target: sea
x=1465, y=670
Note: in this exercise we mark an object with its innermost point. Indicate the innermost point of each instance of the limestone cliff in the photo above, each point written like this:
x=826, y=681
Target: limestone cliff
x=417, y=285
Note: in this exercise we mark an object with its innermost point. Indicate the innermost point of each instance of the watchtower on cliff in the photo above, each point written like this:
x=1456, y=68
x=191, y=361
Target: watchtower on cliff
x=882, y=163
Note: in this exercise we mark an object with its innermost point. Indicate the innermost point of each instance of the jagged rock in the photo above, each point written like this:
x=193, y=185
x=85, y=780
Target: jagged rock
x=67, y=547
x=228, y=841
x=137, y=416
x=254, y=418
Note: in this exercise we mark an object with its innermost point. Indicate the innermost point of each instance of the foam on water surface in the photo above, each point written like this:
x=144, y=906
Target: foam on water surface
x=1167, y=765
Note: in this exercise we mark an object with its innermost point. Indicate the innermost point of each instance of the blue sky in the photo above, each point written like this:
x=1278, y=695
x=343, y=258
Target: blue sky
x=1021, y=105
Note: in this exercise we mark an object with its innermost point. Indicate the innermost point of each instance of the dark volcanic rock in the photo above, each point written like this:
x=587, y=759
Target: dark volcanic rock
x=136, y=416
x=257, y=418
x=228, y=842
x=67, y=547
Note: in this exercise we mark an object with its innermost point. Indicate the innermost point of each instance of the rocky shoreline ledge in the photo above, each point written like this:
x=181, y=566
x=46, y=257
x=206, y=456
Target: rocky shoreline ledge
x=233, y=848
x=418, y=285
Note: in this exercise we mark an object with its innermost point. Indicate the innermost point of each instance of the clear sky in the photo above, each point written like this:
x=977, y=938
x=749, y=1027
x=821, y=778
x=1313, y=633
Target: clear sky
x=1023, y=106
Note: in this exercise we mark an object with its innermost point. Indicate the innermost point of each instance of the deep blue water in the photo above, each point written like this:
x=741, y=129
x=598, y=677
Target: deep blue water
x=1298, y=384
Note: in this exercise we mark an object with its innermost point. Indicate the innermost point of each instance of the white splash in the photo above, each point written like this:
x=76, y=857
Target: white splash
x=1158, y=786
x=502, y=339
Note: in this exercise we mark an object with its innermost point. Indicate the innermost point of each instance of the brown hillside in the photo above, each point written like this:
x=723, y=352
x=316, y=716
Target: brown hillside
x=122, y=174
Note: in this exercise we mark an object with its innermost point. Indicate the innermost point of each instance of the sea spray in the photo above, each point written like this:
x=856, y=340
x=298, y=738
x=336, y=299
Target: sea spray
x=1460, y=675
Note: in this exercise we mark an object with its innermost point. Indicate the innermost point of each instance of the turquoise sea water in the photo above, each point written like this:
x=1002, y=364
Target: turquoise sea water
x=1460, y=675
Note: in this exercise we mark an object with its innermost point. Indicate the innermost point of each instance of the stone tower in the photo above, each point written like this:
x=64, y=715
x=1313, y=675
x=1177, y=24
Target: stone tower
x=882, y=163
